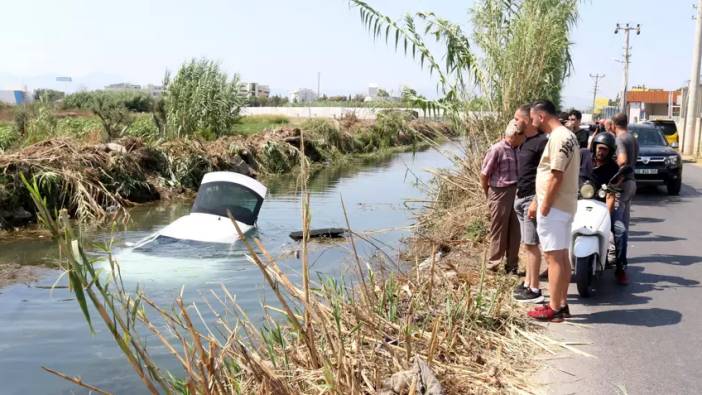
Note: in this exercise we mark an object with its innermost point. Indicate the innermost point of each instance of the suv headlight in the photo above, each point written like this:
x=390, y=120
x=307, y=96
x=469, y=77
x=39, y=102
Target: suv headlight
x=672, y=161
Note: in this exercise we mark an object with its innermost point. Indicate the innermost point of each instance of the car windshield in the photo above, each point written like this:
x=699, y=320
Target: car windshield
x=648, y=136
x=219, y=197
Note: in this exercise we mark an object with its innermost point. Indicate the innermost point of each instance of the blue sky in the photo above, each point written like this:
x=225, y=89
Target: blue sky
x=284, y=43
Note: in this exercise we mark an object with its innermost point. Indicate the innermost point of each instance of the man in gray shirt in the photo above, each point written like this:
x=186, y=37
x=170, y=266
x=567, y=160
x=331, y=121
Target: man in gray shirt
x=627, y=155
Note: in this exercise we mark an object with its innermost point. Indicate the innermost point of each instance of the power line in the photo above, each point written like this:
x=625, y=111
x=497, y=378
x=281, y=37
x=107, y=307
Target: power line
x=597, y=78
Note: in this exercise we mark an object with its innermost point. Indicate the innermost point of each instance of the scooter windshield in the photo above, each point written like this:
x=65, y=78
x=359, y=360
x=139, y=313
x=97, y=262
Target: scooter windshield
x=219, y=197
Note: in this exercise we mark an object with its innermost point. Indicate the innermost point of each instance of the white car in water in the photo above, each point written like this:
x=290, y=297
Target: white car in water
x=220, y=193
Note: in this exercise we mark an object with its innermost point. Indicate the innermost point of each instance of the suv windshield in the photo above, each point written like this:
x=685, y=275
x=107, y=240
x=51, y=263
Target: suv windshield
x=648, y=136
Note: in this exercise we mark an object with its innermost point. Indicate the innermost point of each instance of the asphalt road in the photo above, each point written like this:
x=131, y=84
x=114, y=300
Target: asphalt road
x=646, y=338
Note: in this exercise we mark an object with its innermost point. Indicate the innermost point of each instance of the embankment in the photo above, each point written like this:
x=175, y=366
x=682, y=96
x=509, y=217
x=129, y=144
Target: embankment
x=94, y=182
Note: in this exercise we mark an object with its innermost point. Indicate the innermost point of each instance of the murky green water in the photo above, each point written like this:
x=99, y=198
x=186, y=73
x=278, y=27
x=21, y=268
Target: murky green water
x=42, y=327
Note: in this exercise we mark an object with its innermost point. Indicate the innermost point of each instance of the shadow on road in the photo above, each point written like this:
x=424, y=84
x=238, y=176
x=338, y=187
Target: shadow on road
x=645, y=220
x=609, y=294
x=651, y=318
x=677, y=260
x=653, y=195
x=654, y=238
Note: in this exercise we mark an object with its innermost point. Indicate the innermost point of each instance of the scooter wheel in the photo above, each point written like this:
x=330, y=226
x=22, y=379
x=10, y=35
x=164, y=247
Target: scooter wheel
x=583, y=275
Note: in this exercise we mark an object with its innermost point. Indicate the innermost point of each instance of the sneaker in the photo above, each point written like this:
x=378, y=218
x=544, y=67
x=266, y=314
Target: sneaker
x=621, y=277
x=519, y=289
x=529, y=296
x=548, y=314
x=565, y=309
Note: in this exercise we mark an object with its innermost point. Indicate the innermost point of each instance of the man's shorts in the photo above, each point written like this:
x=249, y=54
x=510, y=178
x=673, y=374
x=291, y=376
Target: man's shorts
x=526, y=225
x=554, y=229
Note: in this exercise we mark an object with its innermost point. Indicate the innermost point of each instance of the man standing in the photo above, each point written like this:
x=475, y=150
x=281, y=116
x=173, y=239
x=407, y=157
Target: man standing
x=627, y=154
x=498, y=178
x=554, y=206
x=574, y=119
x=528, y=157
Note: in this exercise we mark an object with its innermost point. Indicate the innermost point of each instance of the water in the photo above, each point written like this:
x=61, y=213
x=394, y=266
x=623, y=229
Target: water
x=42, y=327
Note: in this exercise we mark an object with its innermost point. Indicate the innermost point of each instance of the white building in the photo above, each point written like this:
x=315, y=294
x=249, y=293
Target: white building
x=254, y=89
x=302, y=95
x=154, y=90
x=372, y=91
x=15, y=96
x=122, y=87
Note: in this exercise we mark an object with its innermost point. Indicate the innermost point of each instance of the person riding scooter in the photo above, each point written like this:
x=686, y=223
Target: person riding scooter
x=604, y=165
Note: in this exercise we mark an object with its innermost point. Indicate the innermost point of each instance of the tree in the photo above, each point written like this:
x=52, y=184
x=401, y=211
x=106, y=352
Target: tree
x=202, y=98
x=523, y=51
x=49, y=95
x=112, y=111
x=382, y=93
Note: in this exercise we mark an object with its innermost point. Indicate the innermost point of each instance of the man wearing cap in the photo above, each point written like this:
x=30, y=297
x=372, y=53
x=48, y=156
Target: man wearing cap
x=498, y=177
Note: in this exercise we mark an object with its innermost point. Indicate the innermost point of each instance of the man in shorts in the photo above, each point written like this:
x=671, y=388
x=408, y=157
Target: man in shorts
x=555, y=205
x=528, y=157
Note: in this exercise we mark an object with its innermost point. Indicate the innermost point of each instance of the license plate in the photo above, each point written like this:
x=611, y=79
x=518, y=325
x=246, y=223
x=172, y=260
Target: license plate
x=646, y=171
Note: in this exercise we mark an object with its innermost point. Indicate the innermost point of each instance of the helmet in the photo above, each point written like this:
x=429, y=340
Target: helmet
x=604, y=138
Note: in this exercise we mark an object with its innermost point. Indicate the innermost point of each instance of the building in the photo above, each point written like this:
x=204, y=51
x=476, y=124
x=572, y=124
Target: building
x=302, y=95
x=154, y=90
x=254, y=89
x=123, y=87
x=15, y=97
x=647, y=104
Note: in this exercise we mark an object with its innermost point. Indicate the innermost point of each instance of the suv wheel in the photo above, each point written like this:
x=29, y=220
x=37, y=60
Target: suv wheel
x=674, y=187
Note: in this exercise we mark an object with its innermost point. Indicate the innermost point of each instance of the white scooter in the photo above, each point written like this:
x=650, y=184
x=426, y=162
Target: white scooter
x=590, y=234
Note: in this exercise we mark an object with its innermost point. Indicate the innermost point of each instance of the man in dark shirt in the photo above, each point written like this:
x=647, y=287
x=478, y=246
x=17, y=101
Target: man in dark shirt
x=528, y=157
x=573, y=123
x=627, y=154
x=604, y=166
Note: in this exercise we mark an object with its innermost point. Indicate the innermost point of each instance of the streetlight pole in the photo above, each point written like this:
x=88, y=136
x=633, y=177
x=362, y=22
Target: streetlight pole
x=597, y=78
x=626, y=29
x=688, y=140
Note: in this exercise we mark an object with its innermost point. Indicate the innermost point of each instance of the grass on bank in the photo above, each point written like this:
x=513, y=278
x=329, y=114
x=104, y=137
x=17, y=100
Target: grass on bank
x=252, y=124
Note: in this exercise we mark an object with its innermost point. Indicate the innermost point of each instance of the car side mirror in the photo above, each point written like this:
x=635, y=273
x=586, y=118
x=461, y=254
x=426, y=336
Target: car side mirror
x=675, y=145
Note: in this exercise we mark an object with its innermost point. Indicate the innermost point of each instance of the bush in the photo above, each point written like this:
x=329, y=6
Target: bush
x=42, y=126
x=143, y=126
x=133, y=101
x=8, y=136
x=390, y=125
x=201, y=98
x=78, y=100
x=79, y=127
x=48, y=95
x=112, y=111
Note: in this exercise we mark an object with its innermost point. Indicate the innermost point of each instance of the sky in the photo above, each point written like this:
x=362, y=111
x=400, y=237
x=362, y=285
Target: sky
x=285, y=43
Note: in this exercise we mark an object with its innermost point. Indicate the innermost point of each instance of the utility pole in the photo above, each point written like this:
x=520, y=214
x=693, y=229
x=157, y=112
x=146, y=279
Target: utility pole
x=626, y=29
x=597, y=78
x=688, y=140
x=319, y=76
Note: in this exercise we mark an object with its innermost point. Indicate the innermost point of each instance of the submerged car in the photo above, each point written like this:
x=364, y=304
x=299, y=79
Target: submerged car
x=221, y=193
x=657, y=161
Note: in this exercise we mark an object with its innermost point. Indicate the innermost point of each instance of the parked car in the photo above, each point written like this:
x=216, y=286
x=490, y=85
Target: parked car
x=669, y=130
x=657, y=161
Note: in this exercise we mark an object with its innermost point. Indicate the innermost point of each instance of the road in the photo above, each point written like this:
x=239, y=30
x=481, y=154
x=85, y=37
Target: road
x=646, y=338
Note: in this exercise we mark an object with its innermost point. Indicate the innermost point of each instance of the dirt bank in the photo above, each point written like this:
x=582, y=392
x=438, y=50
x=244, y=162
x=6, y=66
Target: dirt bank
x=97, y=182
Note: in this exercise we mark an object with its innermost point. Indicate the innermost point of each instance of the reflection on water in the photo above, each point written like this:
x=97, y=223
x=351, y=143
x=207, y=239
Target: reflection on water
x=41, y=327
